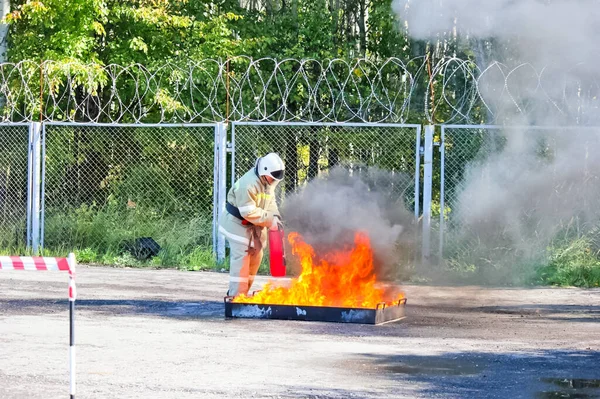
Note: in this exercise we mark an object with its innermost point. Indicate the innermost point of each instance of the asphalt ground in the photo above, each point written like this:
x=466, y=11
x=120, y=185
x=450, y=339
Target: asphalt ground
x=162, y=334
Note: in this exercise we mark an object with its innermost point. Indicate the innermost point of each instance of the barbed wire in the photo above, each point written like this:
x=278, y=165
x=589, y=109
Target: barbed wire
x=309, y=90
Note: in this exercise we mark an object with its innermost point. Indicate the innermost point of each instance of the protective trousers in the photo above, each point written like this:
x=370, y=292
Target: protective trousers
x=244, y=264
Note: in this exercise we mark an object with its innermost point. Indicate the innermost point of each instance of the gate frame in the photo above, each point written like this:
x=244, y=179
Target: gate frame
x=475, y=127
x=33, y=160
x=41, y=185
x=443, y=171
x=231, y=149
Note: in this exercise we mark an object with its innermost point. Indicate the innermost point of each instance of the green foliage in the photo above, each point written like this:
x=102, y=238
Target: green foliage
x=93, y=175
x=199, y=259
x=98, y=236
x=56, y=29
x=573, y=263
x=568, y=261
x=83, y=34
x=86, y=256
x=139, y=31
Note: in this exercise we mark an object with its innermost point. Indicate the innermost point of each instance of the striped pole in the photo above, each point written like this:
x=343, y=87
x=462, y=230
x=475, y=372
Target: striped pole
x=52, y=264
x=72, y=295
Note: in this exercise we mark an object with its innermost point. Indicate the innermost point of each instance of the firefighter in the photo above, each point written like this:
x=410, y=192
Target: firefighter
x=251, y=209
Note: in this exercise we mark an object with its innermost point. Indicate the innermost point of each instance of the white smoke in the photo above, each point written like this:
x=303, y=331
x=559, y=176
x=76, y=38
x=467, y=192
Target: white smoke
x=564, y=20
x=332, y=208
x=541, y=181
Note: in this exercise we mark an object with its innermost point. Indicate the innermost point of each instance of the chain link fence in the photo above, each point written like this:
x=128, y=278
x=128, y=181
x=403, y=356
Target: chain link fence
x=508, y=195
x=386, y=155
x=309, y=150
x=499, y=195
x=14, y=139
x=464, y=152
x=108, y=187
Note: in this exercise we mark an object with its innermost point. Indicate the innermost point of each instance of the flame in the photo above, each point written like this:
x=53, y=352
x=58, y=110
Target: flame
x=340, y=279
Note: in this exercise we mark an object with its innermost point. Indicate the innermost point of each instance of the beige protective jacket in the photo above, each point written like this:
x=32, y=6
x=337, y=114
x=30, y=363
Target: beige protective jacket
x=255, y=199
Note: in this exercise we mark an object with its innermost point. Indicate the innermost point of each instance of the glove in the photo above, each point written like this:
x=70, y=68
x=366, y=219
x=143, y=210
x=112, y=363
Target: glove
x=275, y=224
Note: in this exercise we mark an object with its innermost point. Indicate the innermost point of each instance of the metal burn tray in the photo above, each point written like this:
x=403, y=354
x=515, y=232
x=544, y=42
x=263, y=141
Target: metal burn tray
x=384, y=313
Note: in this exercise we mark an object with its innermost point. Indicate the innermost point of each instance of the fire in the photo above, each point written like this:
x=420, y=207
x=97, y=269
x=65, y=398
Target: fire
x=340, y=279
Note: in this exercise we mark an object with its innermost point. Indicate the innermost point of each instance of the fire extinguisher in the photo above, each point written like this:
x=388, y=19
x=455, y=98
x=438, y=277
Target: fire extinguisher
x=276, y=253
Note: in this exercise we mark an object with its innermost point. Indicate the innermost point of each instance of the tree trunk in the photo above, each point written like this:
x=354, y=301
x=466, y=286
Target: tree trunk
x=269, y=8
x=295, y=17
x=333, y=157
x=362, y=28
x=313, y=157
x=335, y=13
x=4, y=11
x=4, y=193
x=481, y=60
x=291, y=163
x=89, y=106
x=348, y=14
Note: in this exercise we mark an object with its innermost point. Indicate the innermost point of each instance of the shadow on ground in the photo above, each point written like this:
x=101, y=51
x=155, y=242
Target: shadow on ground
x=324, y=393
x=568, y=313
x=541, y=374
x=171, y=309
x=462, y=319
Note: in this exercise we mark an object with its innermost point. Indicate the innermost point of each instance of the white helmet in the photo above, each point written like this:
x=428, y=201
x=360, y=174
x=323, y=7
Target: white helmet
x=270, y=165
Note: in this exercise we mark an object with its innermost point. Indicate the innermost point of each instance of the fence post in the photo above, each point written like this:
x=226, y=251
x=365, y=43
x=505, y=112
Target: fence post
x=215, y=224
x=417, y=173
x=34, y=186
x=43, y=189
x=442, y=188
x=29, y=185
x=222, y=185
x=427, y=184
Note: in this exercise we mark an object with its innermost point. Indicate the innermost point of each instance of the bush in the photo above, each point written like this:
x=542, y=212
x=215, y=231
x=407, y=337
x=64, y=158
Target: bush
x=100, y=236
x=86, y=255
x=570, y=260
x=572, y=264
x=199, y=259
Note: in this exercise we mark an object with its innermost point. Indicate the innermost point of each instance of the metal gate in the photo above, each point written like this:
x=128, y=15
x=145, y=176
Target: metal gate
x=133, y=180
x=464, y=155
x=15, y=184
x=311, y=148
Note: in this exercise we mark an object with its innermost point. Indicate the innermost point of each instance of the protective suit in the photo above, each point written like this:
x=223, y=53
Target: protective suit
x=251, y=209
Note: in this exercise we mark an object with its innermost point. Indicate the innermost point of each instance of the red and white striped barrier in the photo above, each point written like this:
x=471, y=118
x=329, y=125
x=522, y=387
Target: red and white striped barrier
x=38, y=263
x=33, y=263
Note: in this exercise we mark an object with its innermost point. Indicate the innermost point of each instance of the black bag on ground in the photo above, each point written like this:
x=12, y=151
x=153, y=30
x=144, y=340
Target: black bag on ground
x=143, y=248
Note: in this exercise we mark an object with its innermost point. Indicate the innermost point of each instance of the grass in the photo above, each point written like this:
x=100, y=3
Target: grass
x=575, y=263
x=99, y=236
x=572, y=261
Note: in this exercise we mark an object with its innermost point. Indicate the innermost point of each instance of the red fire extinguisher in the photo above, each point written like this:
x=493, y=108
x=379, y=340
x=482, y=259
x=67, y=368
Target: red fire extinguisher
x=276, y=253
